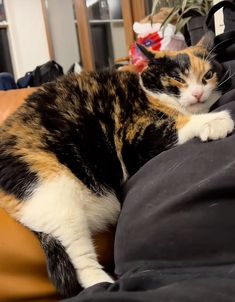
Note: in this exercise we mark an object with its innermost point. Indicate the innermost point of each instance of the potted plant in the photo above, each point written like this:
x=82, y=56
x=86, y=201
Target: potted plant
x=191, y=13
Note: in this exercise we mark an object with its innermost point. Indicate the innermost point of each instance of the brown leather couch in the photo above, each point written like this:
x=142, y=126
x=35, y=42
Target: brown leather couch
x=23, y=275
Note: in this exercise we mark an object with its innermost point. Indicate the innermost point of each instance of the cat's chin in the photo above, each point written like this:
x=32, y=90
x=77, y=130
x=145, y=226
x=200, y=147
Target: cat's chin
x=197, y=108
x=205, y=106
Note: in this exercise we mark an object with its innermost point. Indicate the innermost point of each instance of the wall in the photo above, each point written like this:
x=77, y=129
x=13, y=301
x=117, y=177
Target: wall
x=63, y=32
x=27, y=35
x=119, y=43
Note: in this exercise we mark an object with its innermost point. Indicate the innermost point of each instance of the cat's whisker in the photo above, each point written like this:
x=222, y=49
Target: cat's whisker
x=228, y=72
x=226, y=80
x=214, y=48
x=210, y=58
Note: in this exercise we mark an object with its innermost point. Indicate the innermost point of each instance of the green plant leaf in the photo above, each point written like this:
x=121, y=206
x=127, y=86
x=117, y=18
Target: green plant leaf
x=154, y=7
x=181, y=8
x=206, y=5
x=181, y=16
x=168, y=19
x=154, y=10
x=193, y=2
x=192, y=7
x=184, y=3
x=181, y=24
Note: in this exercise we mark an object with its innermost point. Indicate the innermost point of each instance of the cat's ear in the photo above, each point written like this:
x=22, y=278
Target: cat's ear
x=148, y=54
x=207, y=41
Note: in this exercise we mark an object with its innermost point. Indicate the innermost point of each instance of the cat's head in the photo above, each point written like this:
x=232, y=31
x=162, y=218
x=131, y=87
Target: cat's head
x=191, y=77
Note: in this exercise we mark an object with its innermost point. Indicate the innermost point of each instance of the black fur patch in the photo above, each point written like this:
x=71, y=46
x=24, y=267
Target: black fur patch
x=15, y=175
x=88, y=154
x=59, y=266
x=80, y=143
x=173, y=90
x=166, y=66
x=149, y=55
x=183, y=61
x=154, y=141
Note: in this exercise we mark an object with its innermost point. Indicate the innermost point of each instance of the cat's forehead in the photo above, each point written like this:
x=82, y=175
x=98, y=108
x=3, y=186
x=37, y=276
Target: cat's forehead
x=192, y=59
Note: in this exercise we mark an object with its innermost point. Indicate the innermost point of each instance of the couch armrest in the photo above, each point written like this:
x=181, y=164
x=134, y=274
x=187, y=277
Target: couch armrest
x=10, y=100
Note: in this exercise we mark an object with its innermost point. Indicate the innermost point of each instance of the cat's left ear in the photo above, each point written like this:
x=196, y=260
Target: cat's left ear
x=207, y=41
x=148, y=54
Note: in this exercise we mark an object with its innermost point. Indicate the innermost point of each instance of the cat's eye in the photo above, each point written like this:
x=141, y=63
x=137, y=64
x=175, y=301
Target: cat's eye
x=180, y=80
x=208, y=75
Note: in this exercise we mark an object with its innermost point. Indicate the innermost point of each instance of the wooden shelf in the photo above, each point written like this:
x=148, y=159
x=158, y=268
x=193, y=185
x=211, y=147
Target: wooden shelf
x=106, y=21
x=103, y=21
x=132, y=10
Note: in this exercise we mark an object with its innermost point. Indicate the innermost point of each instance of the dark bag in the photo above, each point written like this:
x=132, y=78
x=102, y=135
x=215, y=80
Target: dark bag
x=7, y=81
x=45, y=73
x=225, y=42
x=26, y=80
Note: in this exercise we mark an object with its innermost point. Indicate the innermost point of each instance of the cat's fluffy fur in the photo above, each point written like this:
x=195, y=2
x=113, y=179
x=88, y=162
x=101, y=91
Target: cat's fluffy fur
x=66, y=152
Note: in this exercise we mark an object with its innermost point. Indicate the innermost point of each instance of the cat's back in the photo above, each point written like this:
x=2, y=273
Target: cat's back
x=75, y=93
x=68, y=99
x=69, y=122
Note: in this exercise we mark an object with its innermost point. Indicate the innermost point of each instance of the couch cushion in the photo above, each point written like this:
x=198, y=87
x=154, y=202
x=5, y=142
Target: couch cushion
x=22, y=264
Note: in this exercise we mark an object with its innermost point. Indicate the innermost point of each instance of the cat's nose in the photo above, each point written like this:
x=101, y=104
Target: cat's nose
x=198, y=95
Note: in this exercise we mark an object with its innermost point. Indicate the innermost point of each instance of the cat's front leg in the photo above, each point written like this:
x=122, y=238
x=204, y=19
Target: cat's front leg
x=209, y=126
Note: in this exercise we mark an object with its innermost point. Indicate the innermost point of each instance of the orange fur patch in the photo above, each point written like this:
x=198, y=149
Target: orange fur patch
x=180, y=119
x=156, y=104
x=10, y=204
x=166, y=81
x=198, y=67
x=140, y=123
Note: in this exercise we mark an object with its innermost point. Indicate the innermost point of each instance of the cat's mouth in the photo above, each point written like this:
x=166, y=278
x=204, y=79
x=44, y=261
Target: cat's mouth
x=192, y=103
x=197, y=102
x=204, y=106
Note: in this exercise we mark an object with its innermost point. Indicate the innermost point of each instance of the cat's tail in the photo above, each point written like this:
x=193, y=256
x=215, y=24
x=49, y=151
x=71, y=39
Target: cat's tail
x=59, y=266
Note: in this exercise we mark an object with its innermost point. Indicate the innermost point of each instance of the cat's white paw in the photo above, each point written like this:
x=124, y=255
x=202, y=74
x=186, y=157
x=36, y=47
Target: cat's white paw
x=93, y=276
x=218, y=126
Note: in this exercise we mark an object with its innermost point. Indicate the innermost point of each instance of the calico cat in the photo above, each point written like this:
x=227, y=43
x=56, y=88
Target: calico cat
x=68, y=149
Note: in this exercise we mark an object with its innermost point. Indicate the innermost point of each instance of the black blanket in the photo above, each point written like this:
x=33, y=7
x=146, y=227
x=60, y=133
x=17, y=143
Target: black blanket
x=175, y=238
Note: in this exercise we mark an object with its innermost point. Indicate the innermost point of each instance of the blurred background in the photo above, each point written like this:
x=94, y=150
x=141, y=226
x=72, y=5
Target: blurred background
x=92, y=32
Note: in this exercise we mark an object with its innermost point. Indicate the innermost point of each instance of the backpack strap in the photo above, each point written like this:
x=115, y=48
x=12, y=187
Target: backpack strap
x=216, y=7
x=225, y=39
